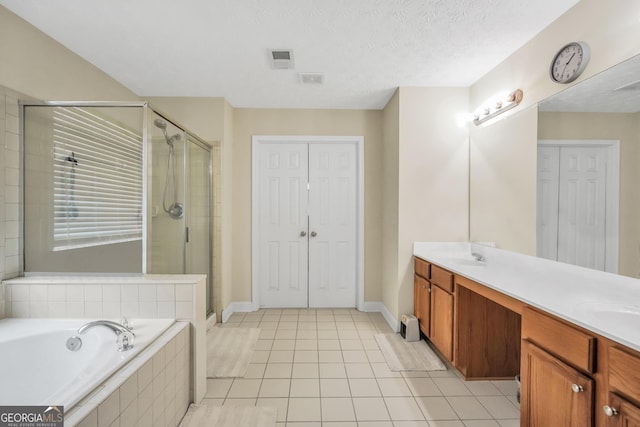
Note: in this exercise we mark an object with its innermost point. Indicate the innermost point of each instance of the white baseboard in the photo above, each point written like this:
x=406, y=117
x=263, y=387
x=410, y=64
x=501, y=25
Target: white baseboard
x=236, y=307
x=379, y=307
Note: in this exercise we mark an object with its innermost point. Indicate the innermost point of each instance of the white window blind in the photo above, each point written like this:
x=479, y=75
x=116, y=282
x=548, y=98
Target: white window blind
x=97, y=180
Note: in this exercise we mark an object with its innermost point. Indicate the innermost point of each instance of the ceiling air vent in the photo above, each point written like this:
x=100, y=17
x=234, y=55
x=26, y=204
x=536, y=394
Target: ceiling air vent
x=311, y=78
x=282, y=59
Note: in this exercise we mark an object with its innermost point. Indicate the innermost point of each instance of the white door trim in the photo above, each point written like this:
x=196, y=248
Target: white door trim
x=613, y=190
x=256, y=140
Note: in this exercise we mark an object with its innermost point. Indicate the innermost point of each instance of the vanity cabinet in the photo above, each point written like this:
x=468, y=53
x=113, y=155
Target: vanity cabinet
x=433, y=305
x=558, y=361
x=487, y=332
x=621, y=413
x=422, y=295
x=570, y=375
x=623, y=378
x=442, y=321
x=552, y=392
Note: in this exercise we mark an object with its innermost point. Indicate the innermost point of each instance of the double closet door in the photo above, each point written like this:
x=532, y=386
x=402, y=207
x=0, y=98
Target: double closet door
x=307, y=209
x=572, y=204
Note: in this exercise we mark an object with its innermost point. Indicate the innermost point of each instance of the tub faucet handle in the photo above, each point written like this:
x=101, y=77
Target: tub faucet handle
x=125, y=341
x=127, y=323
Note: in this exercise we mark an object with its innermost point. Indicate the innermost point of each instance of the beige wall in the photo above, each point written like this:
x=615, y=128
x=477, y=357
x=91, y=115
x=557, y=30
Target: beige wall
x=249, y=122
x=390, y=194
x=227, y=209
x=626, y=129
x=612, y=31
x=425, y=170
x=38, y=66
x=433, y=165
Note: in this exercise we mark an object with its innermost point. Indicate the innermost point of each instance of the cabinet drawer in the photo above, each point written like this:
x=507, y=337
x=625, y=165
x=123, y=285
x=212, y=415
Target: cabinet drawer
x=423, y=268
x=442, y=278
x=624, y=372
x=560, y=339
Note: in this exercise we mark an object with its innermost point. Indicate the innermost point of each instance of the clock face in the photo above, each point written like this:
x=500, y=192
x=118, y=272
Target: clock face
x=569, y=62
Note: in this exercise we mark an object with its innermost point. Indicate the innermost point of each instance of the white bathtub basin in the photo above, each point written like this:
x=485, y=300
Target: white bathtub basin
x=38, y=369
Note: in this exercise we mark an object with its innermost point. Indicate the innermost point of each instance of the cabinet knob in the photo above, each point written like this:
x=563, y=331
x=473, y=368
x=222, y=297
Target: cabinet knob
x=314, y=234
x=609, y=411
x=577, y=388
x=424, y=286
x=303, y=233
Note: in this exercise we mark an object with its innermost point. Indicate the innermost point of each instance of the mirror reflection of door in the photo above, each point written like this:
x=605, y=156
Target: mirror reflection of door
x=578, y=203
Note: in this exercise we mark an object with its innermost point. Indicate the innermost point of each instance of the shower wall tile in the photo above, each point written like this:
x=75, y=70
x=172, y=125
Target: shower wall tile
x=10, y=226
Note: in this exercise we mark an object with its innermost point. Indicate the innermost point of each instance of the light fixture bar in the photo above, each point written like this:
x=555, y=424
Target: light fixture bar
x=498, y=107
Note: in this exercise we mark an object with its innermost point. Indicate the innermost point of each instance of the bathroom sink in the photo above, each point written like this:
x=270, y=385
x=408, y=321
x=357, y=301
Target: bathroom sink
x=617, y=313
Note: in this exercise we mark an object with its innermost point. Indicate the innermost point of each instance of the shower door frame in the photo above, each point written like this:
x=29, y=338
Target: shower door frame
x=146, y=196
x=188, y=138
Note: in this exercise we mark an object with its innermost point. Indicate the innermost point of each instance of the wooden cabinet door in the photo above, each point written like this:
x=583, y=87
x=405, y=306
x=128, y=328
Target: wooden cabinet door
x=553, y=393
x=626, y=413
x=442, y=321
x=422, y=303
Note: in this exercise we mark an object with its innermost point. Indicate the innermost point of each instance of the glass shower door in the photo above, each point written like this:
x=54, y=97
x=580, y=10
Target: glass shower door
x=198, y=256
x=166, y=229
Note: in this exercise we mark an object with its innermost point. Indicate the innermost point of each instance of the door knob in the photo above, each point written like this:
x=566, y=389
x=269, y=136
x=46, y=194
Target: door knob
x=609, y=411
x=314, y=234
x=303, y=233
x=577, y=388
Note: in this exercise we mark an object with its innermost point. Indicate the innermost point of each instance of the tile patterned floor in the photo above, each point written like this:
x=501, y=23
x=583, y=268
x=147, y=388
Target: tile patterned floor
x=323, y=368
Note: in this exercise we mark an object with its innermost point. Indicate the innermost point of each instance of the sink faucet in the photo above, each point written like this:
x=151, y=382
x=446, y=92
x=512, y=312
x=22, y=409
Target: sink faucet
x=124, y=335
x=478, y=256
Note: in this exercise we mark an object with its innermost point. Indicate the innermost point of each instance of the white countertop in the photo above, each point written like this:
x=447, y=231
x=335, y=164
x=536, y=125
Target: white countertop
x=604, y=303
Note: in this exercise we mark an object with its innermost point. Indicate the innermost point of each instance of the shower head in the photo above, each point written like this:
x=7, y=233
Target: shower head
x=161, y=124
x=175, y=137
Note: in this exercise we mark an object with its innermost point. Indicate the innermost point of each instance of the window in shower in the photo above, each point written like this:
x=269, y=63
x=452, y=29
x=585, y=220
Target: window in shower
x=97, y=180
x=83, y=187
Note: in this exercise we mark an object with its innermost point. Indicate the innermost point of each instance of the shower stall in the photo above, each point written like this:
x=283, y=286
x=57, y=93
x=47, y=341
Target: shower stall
x=115, y=188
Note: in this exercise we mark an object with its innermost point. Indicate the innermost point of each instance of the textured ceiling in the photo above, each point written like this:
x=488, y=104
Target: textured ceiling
x=365, y=48
x=616, y=90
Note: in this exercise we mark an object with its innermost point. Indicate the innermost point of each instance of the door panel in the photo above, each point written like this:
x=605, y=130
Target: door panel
x=548, y=398
x=442, y=321
x=582, y=207
x=332, y=225
x=307, y=225
x=283, y=199
x=628, y=414
x=572, y=205
x=547, y=205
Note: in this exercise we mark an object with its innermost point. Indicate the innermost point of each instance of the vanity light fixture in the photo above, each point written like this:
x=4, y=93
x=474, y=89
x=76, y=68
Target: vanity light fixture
x=497, y=107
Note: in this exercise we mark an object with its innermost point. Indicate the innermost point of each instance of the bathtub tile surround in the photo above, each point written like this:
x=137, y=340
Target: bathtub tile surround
x=181, y=297
x=153, y=390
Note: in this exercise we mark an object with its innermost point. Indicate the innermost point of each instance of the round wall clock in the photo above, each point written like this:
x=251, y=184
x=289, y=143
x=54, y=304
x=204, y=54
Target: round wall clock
x=569, y=62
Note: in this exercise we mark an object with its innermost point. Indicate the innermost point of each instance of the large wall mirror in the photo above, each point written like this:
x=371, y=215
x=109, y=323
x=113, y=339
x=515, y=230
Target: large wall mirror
x=588, y=172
